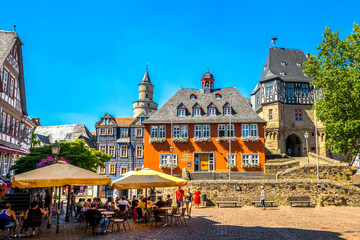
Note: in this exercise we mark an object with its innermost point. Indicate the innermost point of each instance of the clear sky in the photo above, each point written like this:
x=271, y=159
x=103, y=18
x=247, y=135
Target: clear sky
x=85, y=58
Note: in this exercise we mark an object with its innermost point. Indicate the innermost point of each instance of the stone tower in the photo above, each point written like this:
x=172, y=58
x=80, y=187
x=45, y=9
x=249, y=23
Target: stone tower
x=145, y=105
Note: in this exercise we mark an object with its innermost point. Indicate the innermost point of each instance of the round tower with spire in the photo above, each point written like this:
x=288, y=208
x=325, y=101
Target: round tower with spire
x=145, y=105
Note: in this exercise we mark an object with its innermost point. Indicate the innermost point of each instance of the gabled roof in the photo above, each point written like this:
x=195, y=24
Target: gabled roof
x=67, y=133
x=93, y=133
x=124, y=122
x=242, y=112
x=7, y=40
x=293, y=71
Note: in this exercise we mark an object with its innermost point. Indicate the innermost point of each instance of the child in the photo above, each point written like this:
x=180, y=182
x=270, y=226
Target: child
x=262, y=201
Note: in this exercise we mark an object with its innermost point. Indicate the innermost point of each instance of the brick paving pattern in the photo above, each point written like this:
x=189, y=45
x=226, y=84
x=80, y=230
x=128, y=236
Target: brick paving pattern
x=240, y=223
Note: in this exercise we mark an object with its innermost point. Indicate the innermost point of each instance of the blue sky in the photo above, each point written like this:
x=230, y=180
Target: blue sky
x=85, y=58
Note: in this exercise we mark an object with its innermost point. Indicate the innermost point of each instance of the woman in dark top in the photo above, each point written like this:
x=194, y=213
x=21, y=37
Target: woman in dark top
x=33, y=212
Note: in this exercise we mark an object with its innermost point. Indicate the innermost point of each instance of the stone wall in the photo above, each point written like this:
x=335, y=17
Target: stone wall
x=321, y=192
x=278, y=165
x=326, y=160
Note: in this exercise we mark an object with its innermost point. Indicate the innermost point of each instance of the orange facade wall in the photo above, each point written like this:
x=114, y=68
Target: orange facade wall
x=185, y=151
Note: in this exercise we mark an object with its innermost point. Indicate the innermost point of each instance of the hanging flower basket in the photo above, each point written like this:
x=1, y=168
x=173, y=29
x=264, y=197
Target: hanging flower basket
x=250, y=139
x=202, y=139
x=51, y=160
x=3, y=190
x=226, y=139
x=180, y=139
x=157, y=140
x=168, y=166
x=250, y=165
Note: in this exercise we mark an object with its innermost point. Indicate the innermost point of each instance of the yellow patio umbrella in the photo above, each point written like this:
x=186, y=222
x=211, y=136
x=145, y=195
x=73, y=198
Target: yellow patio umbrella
x=57, y=175
x=146, y=178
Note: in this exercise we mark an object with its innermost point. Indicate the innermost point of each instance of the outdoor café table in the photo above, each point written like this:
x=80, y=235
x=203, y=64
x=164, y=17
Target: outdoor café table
x=166, y=209
x=102, y=209
x=107, y=213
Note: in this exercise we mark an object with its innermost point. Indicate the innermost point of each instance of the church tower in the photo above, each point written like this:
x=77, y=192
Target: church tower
x=145, y=105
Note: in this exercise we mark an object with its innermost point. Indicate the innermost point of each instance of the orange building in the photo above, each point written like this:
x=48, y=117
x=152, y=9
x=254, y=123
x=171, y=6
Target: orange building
x=202, y=138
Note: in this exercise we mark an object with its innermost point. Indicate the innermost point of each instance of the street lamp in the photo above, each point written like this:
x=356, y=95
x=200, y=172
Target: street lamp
x=306, y=135
x=55, y=150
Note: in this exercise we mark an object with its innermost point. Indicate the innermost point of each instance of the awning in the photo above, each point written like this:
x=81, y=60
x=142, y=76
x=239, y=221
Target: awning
x=12, y=150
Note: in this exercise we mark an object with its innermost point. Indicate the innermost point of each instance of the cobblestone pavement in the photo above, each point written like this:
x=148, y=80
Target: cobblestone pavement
x=240, y=223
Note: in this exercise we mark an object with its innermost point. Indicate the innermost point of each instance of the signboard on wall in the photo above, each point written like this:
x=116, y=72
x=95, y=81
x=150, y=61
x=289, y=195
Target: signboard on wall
x=185, y=157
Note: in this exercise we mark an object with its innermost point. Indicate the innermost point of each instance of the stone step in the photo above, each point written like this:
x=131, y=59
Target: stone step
x=234, y=176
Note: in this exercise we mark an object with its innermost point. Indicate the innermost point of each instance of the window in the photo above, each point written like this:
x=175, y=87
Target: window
x=198, y=131
x=106, y=121
x=176, y=131
x=232, y=158
x=123, y=170
x=290, y=90
x=206, y=131
x=217, y=96
x=254, y=130
x=123, y=151
x=281, y=114
x=8, y=124
x=269, y=88
x=244, y=130
x=305, y=90
x=112, y=169
x=227, y=109
x=298, y=115
x=162, y=131
x=180, y=131
x=211, y=111
x=17, y=129
x=13, y=127
x=103, y=148
x=5, y=79
x=154, y=131
x=192, y=96
x=181, y=112
x=184, y=131
x=196, y=112
x=137, y=169
x=112, y=151
x=124, y=133
x=230, y=130
x=221, y=130
x=102, y=131
x=139, y=151
x=283, y=63
x=102, y=170
x=270, y=114
x=282, y=73
x=3, y=122
x=110, y=131
x=165, y=159
x=139, y=132
x=11, y=93
x=252, y=159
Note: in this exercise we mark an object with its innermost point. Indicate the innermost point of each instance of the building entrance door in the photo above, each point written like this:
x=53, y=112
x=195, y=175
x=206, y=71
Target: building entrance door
x=293, y=145
x=204, y=162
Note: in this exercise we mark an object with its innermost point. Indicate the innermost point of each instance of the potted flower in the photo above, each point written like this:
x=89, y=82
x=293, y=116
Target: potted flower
x=251, y=165
x=168, y=166
x=202, y=139
x=231, y=165
x=157, y=140
x=180, y=139
x=250, y=139
x=3, y=190
x=226, y=139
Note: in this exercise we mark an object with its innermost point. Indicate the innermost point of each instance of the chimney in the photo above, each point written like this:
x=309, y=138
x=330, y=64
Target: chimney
x=308, y=55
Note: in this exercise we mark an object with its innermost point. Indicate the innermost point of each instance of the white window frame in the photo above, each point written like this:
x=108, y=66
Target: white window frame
x=177, y=131
x=254, y=130
x=5, y=79
x=8, y=124
x=110, y=131
x=226, y=129
x=227, y=111
x=4, y=122
x=124, y=130
x=181, y=112
x=232, y=130
x=250, y=158
x=154, y=131
x=233, y=158
x=206, y=131
x=197, y=112
x=245, y=131
x=165, y=159
x=221, y=127
x=162, y=131
x=198, y=131
x=212, y=111
x=13, y=127
x=102, y=131
x=271, y=116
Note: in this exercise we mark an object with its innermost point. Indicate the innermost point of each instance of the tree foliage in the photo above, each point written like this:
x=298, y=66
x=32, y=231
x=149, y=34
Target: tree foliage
x=336, y=73
x=77, y=153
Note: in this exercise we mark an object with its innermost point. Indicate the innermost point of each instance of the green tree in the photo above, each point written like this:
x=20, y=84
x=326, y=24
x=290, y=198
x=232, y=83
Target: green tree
x=77, y=153
x=336, y=73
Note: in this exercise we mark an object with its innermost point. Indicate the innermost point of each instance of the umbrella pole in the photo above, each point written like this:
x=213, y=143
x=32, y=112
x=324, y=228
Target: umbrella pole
x=58, y=213
x=50, y=207
x=68, y=205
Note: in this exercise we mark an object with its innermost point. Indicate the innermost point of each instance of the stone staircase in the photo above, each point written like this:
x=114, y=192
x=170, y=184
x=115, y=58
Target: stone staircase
x=234, y=176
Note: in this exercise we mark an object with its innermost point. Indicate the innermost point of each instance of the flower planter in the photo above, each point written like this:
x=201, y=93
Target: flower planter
x=180, y=139
x=167, y=166
x=226, y=139
x=250, y=166
x=202, y=139
x=157, y=140
x=250, y=139
x=232, y=166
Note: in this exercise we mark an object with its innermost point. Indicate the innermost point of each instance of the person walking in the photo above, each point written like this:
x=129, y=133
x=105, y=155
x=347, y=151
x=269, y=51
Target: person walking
x=179, y=197
x=197, y=200
x=188, y=202
x=262, y=200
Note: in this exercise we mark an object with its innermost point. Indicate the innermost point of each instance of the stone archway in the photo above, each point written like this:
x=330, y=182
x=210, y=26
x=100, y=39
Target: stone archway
x=293, y=142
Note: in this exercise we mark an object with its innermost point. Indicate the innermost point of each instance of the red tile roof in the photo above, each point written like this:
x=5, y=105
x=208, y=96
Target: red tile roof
x=93, y=133
x=124, y=122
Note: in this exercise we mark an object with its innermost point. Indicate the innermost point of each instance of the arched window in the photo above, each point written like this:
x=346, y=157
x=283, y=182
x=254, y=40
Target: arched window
x=181, y=110
x=227, y=109
x=217, y=96
x=196, y=110
x=192, y=96
x=211, y=110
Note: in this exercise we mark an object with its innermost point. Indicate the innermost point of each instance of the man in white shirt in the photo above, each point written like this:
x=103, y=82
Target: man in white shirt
x=125, y=203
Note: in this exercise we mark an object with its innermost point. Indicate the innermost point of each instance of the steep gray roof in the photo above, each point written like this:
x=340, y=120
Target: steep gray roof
x=242, y=112
x=293, y=71
x=67, y=133
x=146, y=78
x=7, y=40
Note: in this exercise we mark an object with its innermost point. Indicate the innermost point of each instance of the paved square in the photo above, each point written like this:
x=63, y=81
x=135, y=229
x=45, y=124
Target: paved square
x=241, y=223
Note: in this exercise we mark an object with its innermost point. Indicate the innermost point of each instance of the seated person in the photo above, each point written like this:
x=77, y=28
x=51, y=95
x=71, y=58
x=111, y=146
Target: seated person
x=108, y=202
x=142, y=203
x=123, y=203
x=94, y=217
x=86, y=207
x=159, y=204
x=149, y=202
x=10, y=219
x=168, y=201
x=32, y=214
x=113, y=207
x=100, y=204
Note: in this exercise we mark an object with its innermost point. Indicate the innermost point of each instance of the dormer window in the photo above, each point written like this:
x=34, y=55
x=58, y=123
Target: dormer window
x=192, y=96
x=196, y=110
x=264, y=67
x=298, y=64
x=181, y=110
x=283, y=63
x=217, y=96
x=282, y=73
x=106, y=121
x=227, y=109
x=212, y=110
